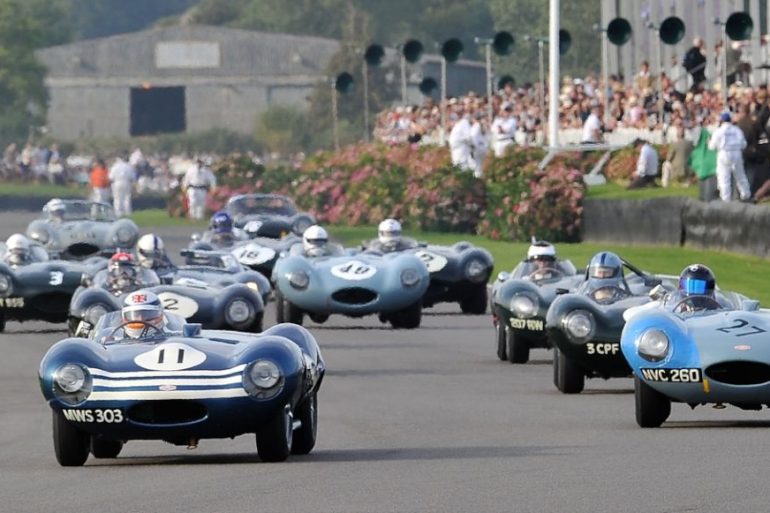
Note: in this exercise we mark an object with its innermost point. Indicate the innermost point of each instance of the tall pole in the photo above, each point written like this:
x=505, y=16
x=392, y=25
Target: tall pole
x=442, y=101
x=403, y=79
x=724, y=64
x=365, y=73
x=606, y=74
x=659, y=70
x=489, y=81
x=335, y=129
x=541, y=78
x=553, y=115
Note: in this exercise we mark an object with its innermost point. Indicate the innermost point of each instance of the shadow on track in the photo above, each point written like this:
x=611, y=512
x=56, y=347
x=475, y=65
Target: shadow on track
x=344, y=455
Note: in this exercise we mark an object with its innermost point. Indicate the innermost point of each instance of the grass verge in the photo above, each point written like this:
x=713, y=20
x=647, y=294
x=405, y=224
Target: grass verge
x=33, y=190
x=155, y=217
x=615, y=191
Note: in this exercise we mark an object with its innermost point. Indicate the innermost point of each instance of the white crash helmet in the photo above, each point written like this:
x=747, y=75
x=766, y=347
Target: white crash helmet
x=17, y=249
x=150, y=249
x=389, y=231
x=142, y=308
x=314, y=238
x=541, y=250
x=55, y=208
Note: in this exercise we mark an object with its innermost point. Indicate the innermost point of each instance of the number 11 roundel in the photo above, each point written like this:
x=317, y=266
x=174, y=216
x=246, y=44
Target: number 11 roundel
x=170, y=357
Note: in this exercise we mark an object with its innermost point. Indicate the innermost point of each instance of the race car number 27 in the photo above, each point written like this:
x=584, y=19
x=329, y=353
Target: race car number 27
x=353, y=270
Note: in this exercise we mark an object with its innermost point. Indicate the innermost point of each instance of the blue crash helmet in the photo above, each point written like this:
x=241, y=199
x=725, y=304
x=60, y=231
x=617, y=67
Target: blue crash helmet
x=221, y=222
x=697, y=280
x=605, y=265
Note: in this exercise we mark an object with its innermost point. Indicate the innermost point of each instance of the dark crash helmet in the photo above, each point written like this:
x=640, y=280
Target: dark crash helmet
x=221, y=222
x=605, y=265
x=122, y=272
x=697, y=280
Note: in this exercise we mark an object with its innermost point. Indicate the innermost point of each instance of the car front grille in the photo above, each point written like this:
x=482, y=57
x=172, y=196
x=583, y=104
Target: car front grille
x=354, y=296
x=82, y=250
x=167, y=412
x=739, y=373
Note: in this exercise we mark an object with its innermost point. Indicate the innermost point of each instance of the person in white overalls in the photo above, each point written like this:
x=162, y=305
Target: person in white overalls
x=122, y=177
x=197, y=181
x=728, y=141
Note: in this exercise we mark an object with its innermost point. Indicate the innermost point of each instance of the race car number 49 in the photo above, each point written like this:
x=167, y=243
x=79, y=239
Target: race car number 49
x=673, y=375
x=354, y=270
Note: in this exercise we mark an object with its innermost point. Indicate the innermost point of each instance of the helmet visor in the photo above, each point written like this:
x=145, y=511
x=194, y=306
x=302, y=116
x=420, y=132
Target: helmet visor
x=692, y=286
x=141, y=315
x=602, y=272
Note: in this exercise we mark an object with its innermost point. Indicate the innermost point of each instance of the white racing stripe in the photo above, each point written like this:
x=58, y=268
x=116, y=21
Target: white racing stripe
x=158, y=395
x=128, y=383
x=171, y=374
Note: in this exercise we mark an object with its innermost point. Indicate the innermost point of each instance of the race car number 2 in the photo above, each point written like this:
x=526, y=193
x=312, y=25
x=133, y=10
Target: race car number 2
x=354, y=270
x=433, y=262
x=12, y=302
x=673, y=375
x=95, y=416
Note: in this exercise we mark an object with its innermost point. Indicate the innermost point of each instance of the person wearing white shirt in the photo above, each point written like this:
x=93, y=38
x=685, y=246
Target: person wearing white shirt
x=728, y=141
x=460, y=144
x=480, y=142
x=592, y=127
x=197, y=181
x=646, y=166
x=503, y=130
x=122, y=177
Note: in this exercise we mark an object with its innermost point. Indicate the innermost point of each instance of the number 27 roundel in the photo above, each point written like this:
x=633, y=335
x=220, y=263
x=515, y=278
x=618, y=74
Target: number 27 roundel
x=170, y=357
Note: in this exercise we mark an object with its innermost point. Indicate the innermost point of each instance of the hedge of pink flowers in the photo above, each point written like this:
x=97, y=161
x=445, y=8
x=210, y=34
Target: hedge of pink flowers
x=366, y=183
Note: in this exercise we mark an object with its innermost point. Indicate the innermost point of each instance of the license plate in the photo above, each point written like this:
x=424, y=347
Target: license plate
x=527, y=324
x=673, y=375
x=12, y=302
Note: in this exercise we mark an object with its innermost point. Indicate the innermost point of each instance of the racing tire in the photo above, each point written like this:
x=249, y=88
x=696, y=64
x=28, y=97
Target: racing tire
x=70, y=444
x=571, y=379
x=556, y=369
x=652, y=407
x=279, y=307
x=292, y=313
x=500, y=336
x=318, y=318
x=409, y=318
x=72, y=326
x=516, y=347
x=475, y=300
x=103, y=449
x=257, y=325
x=274, y=439
x=2, y=322
x=305, y=436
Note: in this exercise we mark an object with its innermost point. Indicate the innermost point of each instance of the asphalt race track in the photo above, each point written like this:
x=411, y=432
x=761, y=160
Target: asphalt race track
x=410, y=421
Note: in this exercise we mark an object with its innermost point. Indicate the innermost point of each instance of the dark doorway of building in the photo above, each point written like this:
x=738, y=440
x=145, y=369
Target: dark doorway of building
x=156, y=110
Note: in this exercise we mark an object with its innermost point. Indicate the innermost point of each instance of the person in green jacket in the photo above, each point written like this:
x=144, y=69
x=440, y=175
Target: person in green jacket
x=704, y=162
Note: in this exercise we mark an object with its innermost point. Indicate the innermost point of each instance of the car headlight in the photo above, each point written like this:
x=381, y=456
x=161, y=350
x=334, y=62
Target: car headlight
x=299, y=280
x=95, y=312
x=410, y=277
x=475, y=270
x=72, y=383
x=262, y=379
x=579, y=325
x=5, y=284
x=238, y=311
x=40, y=236
x=124, y=235
x=523, y=306
x=301, y=224
x=653, y=345
x=253, y=286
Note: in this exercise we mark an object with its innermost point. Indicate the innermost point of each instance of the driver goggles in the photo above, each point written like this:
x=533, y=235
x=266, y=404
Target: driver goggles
x=141, y=314
x=693, y=286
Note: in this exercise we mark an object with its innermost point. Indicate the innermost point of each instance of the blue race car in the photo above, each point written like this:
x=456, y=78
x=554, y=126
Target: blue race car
x=267, y=215
x=180, y=384
x=390, y=285
x=228, y=304
x=78, y=229
x=704, y=348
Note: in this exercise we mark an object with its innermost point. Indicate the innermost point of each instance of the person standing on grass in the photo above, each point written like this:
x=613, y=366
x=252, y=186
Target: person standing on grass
x=646, y=166
x=122, y=176
x=729, y=142
x=197, y=181
x=100, y=182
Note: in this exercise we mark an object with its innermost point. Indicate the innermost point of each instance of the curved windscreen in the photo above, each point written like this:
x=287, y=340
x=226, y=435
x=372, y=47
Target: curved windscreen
x=78, y=211
x=256, y=204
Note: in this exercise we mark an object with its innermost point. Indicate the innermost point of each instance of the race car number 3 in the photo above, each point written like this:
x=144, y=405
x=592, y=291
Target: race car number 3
x=95, y=416
x=353, y=270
